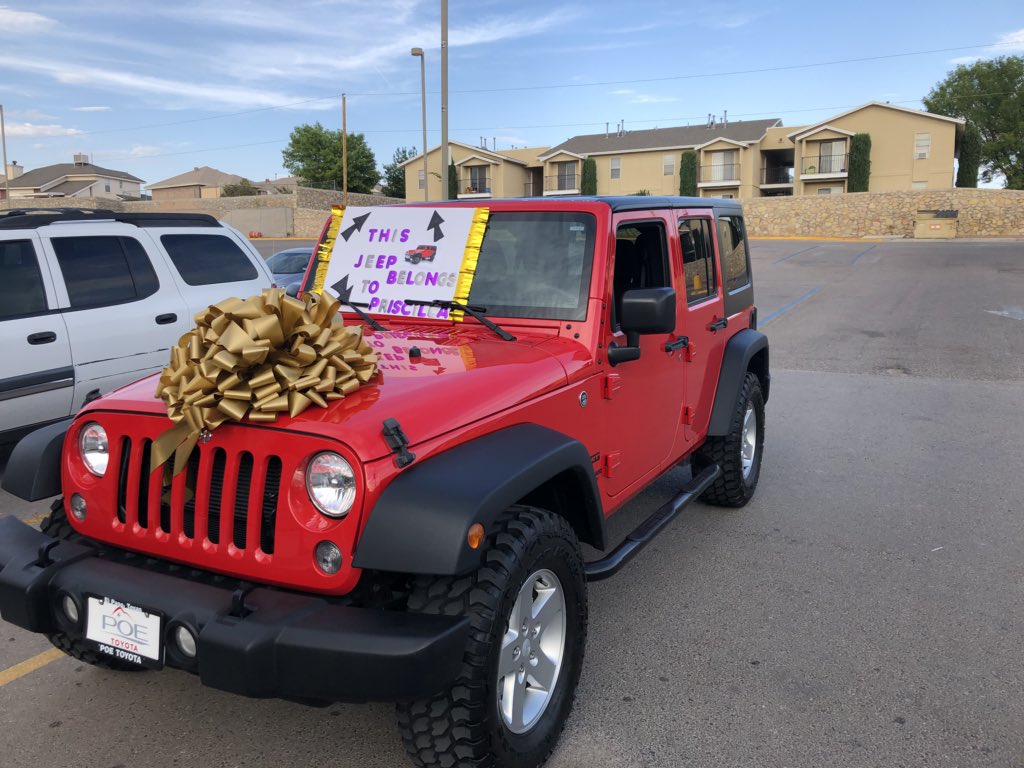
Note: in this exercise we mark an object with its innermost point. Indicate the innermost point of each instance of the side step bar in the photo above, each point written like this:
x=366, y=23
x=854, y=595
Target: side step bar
x=651, y=527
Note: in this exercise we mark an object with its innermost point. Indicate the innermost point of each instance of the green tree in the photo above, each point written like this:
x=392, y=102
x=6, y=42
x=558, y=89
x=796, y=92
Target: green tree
x=970, y=157
x=588, y=183
x=688, y=173
x=315, y=154
x=860, y=163
x=989, y=94
x=244, y=188
x=453, y=180
x=394, y=175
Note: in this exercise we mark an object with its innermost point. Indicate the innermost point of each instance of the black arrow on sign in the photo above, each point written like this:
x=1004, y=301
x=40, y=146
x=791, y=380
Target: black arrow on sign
x=357, y=226
x=342, y=289
x=435, y=224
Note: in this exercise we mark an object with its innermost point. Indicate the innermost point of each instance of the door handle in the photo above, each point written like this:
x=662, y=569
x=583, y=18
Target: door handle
x=170, y=317
x=719, y=324
x=44, y=337
x=681, y=343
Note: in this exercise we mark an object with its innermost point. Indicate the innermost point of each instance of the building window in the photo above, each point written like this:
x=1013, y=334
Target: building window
x=422, y=179
x=830, y=190
x=668, y=165
x=919, y=185
x=922, y=146
x=566, y=178
x=616, y=167
x=724, y=165
x=106, y=186
x=478, y=179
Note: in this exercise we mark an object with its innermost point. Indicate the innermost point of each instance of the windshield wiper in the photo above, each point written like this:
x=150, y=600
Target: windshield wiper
x=475, y=312
x=356, y=305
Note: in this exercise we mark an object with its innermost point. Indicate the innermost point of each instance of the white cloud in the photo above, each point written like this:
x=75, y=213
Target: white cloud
x=90, y=109
x=24, y=130
x=633, y=97
x=137, y=150
x=23, y=21
x=30, y=114
x=1006, y=44
x=40, y=146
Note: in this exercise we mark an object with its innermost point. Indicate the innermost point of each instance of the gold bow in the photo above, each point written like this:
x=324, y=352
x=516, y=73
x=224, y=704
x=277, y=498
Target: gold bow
x=257, y=357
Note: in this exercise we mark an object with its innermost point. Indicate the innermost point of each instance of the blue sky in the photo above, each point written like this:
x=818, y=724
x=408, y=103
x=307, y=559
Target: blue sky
x=157, y=88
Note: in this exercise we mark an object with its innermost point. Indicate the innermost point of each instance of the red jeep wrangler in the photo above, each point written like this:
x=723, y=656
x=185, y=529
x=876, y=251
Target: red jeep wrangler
x=419, y=540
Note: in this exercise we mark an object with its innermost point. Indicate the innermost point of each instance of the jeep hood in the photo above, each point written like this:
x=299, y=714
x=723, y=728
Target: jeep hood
x=460, y=376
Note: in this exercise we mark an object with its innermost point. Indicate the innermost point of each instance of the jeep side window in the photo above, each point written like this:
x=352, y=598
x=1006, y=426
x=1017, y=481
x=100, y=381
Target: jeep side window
x=698, y=259
x=208, y=259
x=734, y=252
x=21, y=284
x=641, y=260
x=101, y=270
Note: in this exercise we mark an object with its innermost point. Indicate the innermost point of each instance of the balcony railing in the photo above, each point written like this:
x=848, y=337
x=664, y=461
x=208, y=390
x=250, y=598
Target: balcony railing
x=715, y=173
x=778, y=175
x=475, y=186
x=568, y=182
x=824, y=164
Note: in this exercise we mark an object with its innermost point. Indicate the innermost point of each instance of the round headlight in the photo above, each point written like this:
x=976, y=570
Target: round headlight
x=92, y=445
x=331, y=484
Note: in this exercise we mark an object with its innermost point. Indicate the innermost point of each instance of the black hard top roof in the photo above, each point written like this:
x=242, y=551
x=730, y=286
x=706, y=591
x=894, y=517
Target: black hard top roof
x=33, y=218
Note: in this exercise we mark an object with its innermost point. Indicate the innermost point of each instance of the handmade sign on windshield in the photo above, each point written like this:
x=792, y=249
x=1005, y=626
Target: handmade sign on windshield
x=384, y=259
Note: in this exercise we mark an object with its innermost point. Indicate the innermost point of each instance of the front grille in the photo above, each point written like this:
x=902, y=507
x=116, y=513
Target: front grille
x=218, y=496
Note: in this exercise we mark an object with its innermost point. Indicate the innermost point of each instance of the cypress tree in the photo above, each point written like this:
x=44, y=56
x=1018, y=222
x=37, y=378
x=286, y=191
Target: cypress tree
x=860, y=163
x=688, y=173
x=588, y=184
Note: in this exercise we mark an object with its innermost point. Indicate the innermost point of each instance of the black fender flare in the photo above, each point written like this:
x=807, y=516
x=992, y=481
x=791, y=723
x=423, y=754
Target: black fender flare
x=746, y=351
x=421, y=520
x=33, y=470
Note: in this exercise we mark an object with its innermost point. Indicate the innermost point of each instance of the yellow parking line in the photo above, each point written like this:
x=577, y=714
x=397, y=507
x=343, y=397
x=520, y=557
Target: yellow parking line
x=37, y=519
x=805, y=237
x=29, y=665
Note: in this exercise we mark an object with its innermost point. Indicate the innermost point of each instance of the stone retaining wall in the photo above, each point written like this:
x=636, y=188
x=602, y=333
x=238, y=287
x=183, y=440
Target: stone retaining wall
x=982, y=213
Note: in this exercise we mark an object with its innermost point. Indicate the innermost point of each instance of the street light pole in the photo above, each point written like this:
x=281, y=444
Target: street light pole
x=444, y=99
x=423, y=103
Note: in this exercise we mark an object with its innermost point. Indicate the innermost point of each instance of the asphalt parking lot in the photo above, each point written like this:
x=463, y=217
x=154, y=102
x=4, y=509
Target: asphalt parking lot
x=864, y=610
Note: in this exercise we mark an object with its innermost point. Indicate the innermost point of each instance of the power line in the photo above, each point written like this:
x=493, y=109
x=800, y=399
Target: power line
x=554, y=86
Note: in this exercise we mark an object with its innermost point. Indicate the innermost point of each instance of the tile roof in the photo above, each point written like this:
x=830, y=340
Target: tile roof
x=198, y=177
x=39, y=177
x=663, y=138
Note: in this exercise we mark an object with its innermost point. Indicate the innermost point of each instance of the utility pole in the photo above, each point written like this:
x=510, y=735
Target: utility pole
x=444, y=100
x=7, y=178
x=344, y=153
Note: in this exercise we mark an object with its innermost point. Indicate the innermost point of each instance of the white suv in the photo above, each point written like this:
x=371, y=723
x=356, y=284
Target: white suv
x=93, y=300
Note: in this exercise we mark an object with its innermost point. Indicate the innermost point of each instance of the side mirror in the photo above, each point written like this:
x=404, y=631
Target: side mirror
x=644, y=310
x=649, y=310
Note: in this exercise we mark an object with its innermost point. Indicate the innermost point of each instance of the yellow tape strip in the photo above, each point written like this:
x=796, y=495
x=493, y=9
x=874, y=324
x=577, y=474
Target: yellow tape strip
x=469, y=259
x=29, y=665
x=325, y=248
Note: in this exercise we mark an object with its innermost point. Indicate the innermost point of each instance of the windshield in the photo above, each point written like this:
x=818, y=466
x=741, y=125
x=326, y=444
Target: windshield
x=535, y=264
x=289, y=262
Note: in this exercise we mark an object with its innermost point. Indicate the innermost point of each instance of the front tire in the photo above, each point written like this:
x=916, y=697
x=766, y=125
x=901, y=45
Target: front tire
x=739, y=451
x=56, y=525
x=527, y=606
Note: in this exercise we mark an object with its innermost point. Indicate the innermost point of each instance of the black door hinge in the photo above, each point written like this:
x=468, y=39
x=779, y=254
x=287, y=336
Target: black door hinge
x=397, y=442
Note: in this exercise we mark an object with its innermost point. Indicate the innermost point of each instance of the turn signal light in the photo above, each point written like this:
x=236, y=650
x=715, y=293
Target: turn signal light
x=475, y=536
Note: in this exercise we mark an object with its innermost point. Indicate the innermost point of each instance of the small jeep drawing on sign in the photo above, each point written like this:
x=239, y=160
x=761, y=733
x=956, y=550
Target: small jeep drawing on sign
x=421, y=253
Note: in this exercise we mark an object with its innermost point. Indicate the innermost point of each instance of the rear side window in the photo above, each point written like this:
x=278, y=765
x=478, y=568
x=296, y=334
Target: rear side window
x=698, y=259
x=21, y=284
x=104, y=270
x=735, y=267
x=208, y=259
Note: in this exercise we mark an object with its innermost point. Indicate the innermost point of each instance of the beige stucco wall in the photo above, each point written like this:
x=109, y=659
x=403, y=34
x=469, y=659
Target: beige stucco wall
x=176, y=193
x=982, y=213
x=637, y=171
x=893, y=163
x=508, y=179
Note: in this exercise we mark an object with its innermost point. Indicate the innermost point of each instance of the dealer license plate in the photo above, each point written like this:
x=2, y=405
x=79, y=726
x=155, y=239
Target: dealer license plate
x=124, y=631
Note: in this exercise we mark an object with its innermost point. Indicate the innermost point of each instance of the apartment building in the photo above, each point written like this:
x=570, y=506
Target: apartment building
x=910, y=149
x=79, y=179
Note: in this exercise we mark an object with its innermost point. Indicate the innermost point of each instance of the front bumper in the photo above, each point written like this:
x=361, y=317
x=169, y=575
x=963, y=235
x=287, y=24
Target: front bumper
x=257, y=642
